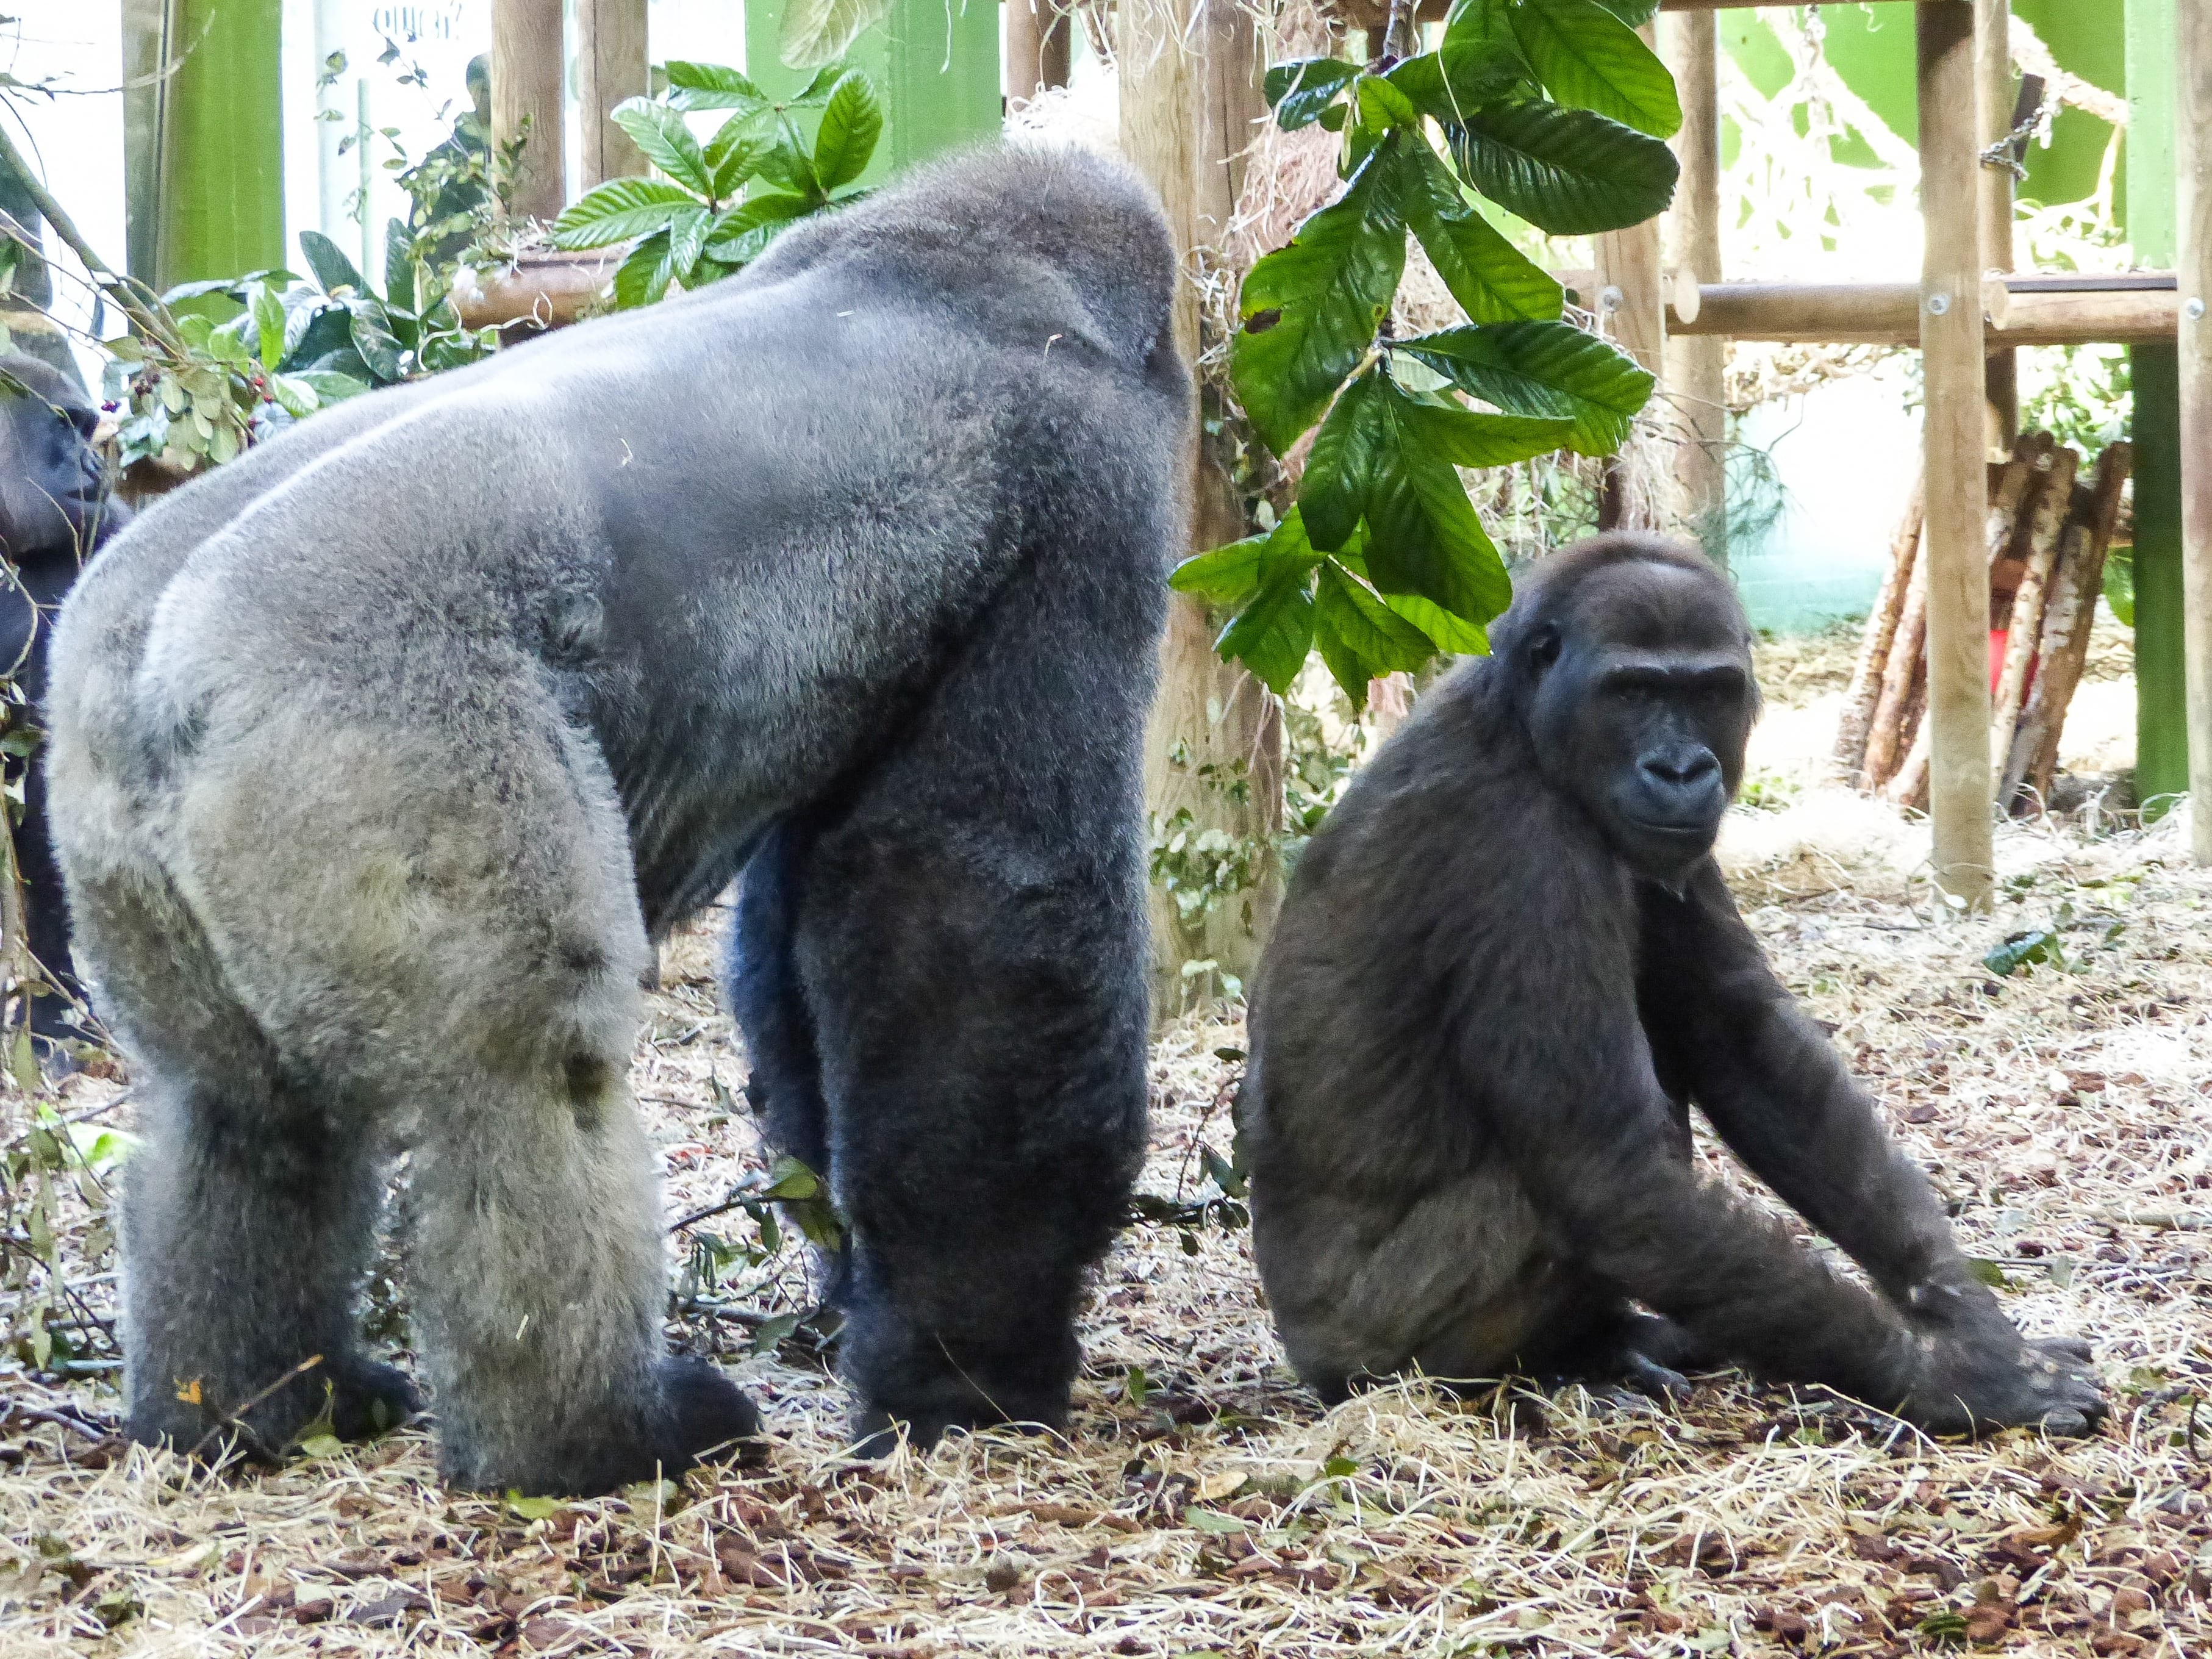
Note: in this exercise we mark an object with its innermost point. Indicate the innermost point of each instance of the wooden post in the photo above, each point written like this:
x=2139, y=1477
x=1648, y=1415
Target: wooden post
x=1993, y=114
x=1951, y=358
x=2193, y=266
x=611, y=66
x=1637, y=495
x=526, y=94
x=1040, y=36
x=1695, y=376
x=1189, y=97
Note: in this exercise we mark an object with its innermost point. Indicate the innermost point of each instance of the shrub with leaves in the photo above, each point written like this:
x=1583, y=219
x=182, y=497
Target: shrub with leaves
x=1554, y=110
x=707, y=214
x=196, y=391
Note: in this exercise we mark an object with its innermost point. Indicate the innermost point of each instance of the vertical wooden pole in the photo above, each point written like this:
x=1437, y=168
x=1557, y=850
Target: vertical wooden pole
x=2193, y=218
x=525, y=95
x=1190, y=95
x=1993, y=114
x=611, y=66
x=1040, y=36
x=1951, y=357
x=1696, y=364
x=1638, y=495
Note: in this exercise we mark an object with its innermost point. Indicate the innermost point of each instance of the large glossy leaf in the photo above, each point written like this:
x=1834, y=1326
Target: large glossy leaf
x=643, y=277
x=1454, y=634
x=733, y=154
x=851, y=122
x=1567, y=171
x=743, y=234
x=1361, y=638
x=398, y=265
x=1272, y=633
x=334, y=271
x=1423, y=534
x=619, y=209
x=711, y=86
x=816, y=31
x=660, y=132
x=1477, y=62
x=1230, y=576
x=1347, y=453
x=372, y=338
x=1310, y=310
x=787, y=164
x=1301, y=89
x=1492, y=280
x=1465, y=438
x=1544, y=369
x=1587, y=56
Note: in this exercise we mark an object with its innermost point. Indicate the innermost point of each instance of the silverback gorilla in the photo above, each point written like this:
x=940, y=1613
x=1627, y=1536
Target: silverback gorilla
x=382, y=755
x=1506, y=966
x=55, y=512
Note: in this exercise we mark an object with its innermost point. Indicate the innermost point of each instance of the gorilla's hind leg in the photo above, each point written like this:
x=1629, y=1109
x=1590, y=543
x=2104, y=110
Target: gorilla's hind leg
x=248, y=1208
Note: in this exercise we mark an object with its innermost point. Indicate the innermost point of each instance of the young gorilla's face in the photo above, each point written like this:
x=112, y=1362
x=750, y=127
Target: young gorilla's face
x=1643, y=701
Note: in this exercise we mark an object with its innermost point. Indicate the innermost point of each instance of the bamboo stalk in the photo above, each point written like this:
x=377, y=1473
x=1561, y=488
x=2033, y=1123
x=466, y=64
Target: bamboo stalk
x=2051, y=517
x=2068, y=613
x=1880, y=633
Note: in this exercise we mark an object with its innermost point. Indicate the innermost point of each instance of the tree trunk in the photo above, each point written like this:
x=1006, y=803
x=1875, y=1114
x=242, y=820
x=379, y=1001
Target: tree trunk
x=1190, y=97
x=1874, y=648
x=2024, y=625
x=611, y=66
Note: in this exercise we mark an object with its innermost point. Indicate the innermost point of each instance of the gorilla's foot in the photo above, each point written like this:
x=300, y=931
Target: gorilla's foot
x=703, y=1411
x=368, y=1399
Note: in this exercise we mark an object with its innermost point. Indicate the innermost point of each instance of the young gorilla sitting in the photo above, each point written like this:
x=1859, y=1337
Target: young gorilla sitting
x=1506, y=965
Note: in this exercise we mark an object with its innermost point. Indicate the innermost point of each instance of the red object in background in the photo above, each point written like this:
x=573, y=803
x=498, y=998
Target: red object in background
x=1999, y=639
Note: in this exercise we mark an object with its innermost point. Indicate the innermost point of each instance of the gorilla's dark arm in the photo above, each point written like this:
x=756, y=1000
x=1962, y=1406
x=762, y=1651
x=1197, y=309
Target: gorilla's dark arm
x=1777, y=1091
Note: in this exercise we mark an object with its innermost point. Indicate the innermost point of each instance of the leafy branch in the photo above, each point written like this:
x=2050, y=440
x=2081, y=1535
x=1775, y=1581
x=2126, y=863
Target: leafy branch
x=699, y=221
x=1554, y=110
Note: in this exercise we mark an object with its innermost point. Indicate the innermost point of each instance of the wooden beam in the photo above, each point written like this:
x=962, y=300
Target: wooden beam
x=611, y=66
x=526, y=97
x=1039, y=37
x=1888, y=313
x=2193, y=267
x=1693, y=384
x=1993, y=114
x=1959, y=781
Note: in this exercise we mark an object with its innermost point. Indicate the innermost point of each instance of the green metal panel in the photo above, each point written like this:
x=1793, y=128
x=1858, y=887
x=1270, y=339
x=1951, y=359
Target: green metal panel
x=2161, y=730
x=935, y=61
x=217, y=204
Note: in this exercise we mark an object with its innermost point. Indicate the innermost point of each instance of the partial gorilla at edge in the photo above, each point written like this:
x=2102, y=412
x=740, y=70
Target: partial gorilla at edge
x=1505, y=968
x=383, y=755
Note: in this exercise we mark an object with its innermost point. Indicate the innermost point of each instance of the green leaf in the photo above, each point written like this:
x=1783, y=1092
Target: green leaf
x=786, y=163
x=1544, y=369
x=1466, y=438
x=815, y=30
x=1587, y=56
x=295, y=395
x=619, y=209
x=1299, y=91
x=851, y=124
x=372, y=338
x=1225, y=575
x=1423, y=535
x=1348, y=454
x=1214, y=1522
x=687, y=236
x=816, y=91
x=1383, y=107
x=1272, y=633
x=1634, y=13
x=789, y=1178
x=743, y=234
x=268, y=322
x=178, y=295
x=711, y=86
x=734, y=153
x=660, y=132
x=1453, y=633
x=1567, y=171
x=533, y=1509
x=330, y=386
x=398, y=265
x=1360, y=638
x=1493, y=281
x=332, y=269
x=643, y=277
x=1310, y=310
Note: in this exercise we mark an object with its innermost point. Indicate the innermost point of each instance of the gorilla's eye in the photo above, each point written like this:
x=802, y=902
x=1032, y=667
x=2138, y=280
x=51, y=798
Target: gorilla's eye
x=1543, y=647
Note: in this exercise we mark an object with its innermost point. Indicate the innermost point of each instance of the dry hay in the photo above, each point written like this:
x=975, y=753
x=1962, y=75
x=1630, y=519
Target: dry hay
x=1214, y=1508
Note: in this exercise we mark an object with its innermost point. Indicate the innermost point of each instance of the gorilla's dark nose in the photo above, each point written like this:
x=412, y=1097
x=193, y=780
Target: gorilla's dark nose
x=1689, y=766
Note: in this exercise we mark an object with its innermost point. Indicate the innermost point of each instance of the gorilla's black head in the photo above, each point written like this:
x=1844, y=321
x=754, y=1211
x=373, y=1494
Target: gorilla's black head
x=50, y=474
x=1631, y=662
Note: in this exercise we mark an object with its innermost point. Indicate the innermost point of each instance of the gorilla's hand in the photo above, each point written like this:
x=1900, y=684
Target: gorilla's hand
x=703, y=1410
x=1972, y=1379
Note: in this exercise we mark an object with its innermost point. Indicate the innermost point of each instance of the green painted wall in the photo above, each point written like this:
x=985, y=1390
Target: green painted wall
x=1871, y=47
x=935, y=61
x=221, y=195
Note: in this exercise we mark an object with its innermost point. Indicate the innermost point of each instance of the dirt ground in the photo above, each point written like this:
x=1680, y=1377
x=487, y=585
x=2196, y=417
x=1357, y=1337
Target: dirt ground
x=1201, y=1504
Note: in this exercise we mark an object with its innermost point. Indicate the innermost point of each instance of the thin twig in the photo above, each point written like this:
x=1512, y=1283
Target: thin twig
x=237, y=1418
x=15, y=1408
